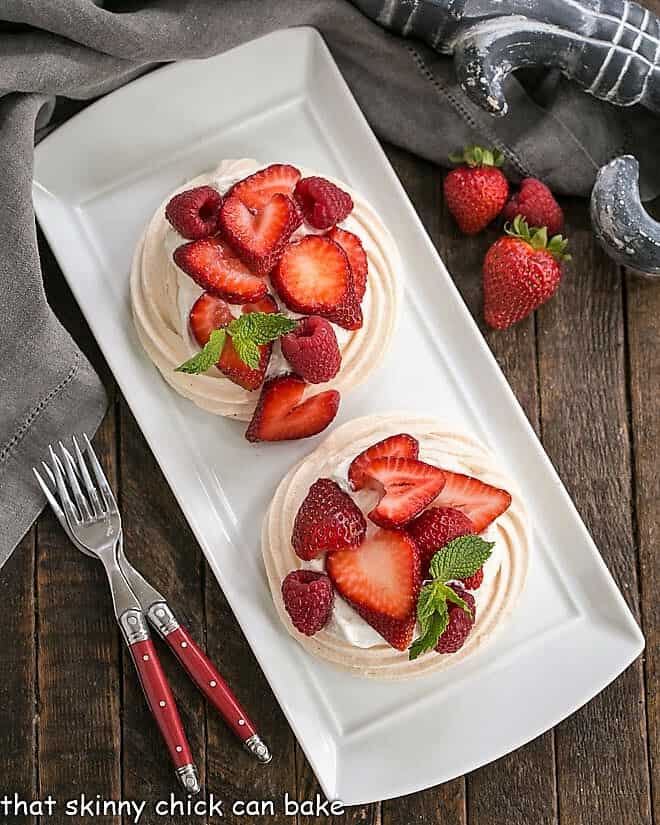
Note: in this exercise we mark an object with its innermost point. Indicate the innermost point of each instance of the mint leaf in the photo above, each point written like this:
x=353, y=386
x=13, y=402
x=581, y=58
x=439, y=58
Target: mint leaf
x=247, y=351
x=461, y=558
x=436, y=626
x=208, y=356
x=451, y=595
x=261, y=327
x=427, y=603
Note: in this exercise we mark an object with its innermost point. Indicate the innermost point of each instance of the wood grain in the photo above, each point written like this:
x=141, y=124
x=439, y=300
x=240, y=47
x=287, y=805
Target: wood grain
x=643, y=326
x=232, y=773
x=601, y=750
x=586, y=372
x=159, y=543
x=492, y=794
x=18, y=685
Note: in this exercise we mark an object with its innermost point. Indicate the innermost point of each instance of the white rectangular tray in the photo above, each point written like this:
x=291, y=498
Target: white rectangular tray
x=98, y=178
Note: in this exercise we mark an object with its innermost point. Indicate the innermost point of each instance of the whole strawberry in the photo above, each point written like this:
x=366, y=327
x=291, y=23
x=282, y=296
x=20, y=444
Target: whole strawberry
x=477, y=190
x=537, y=205
x=521, y=271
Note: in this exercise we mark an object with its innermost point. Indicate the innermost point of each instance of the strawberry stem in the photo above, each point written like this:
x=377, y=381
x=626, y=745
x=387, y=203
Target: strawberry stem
x=474, y=156
x=537, y=238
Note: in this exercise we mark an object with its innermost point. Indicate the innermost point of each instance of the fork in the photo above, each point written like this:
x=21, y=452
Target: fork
x=92, y=521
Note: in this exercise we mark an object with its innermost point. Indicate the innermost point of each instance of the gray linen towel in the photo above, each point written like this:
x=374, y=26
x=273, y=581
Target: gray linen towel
x=78, y=50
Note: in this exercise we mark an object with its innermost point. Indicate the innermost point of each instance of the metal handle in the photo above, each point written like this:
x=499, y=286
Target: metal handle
x=207, y=678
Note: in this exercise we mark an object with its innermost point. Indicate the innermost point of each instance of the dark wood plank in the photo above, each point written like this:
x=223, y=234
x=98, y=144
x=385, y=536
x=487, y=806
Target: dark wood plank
x=232, y=773
x=78, y=663
x=78, y=666
x=601, y=752
x=494, y=792
x=159, y=543
x=643, y=317
x=18, y=686
x=308, y=788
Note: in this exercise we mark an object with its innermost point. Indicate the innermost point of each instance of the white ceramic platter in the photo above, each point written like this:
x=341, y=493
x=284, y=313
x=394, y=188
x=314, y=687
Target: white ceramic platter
x=98, y=179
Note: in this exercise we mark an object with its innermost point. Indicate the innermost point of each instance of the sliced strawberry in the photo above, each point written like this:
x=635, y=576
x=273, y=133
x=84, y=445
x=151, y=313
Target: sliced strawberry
x=394, y=446
x=328, y=519
x=256, y=190
x=480, y=502
x=357, y=258
x=209, y=313
x=259, y=237
x=237, y=370
x=381, y=580
x=281, y=414
x=314, y=277
x=265, y=304
x=407, y=487
x=212, y=264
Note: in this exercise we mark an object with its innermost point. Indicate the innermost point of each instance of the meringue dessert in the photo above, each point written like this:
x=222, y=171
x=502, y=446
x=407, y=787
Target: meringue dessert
x=248, y=239
x=396, y=548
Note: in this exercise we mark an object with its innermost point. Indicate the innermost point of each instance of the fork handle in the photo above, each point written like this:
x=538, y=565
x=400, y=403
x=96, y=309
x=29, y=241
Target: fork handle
x=161, y=702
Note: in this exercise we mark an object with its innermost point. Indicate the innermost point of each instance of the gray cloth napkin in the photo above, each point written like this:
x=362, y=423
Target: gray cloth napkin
x=79, y=50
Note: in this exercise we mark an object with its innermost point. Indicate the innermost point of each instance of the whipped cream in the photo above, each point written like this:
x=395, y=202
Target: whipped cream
x=348, y=640
x=162, y=296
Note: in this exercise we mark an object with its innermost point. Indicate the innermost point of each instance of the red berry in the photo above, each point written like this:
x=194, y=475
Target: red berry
x=406, y=486
x=521, y=271
x=256, y=190
x=474, y=582
x=212, y=264
x=281, y=414
x=259, y=236
x=436, y=527
x=209, y=313
x=314, y=277
x=357, y=258
x=312, y=350
x=401, y=445
x=460, y=624
x=381, y=580
x=328, y=519
x=477, y=191
x=322, y=203
x=536, y=203
x=308, y=598
x=194, y=213
x=482, y=503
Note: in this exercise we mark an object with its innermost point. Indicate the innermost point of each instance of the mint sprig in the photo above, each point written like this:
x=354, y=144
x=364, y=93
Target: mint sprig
x=208, y=356
x=458, y=559
x=248, y=333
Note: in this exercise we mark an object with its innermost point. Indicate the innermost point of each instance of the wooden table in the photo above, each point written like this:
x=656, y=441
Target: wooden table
x=586, y=371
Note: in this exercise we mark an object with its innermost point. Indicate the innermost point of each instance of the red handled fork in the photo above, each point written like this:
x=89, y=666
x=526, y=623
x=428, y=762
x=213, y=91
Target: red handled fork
x=92, y=521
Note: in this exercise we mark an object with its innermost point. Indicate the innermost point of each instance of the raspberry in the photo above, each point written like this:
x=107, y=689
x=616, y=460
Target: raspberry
x=536, y=203
x=436, y=527
x=312, y=350
x=308, y=598
x=194, y=213
x=460, y=624
x=322, y=203
x=474, y=582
